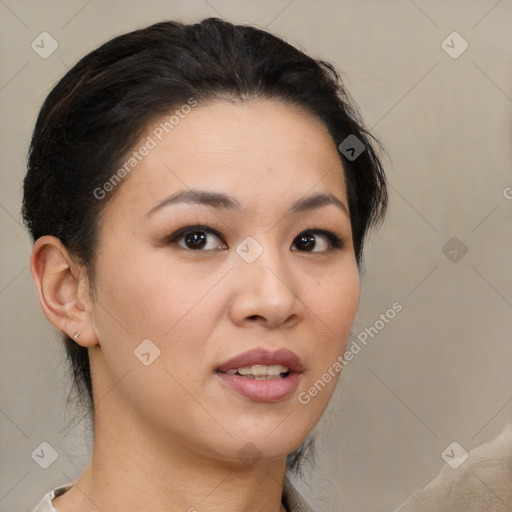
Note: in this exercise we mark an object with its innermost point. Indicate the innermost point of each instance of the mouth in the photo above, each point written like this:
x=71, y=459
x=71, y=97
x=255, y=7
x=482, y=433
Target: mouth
x=262, y=375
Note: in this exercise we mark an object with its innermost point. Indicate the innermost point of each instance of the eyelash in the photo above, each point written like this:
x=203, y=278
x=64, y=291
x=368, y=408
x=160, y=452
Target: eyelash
x=334, y=241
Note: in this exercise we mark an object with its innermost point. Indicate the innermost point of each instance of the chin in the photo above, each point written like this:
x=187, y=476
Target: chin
x=268, y=438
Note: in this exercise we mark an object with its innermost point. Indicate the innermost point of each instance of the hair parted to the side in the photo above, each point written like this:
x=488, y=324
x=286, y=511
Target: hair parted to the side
x=97, y=112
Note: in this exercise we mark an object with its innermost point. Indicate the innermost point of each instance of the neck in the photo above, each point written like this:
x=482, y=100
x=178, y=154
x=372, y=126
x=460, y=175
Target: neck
x=135, y=470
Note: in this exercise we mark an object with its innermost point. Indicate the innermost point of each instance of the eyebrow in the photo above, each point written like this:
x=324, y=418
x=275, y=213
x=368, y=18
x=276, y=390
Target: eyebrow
x=213, y=199
x=222, y=201
x=317, y=201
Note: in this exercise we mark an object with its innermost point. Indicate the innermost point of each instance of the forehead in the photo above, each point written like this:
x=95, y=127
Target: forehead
x=257, y=151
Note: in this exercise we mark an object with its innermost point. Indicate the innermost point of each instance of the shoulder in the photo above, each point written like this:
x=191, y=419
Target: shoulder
x=482, y=482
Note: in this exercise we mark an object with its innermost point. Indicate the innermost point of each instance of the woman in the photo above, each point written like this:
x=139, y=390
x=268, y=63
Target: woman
x=199, y=196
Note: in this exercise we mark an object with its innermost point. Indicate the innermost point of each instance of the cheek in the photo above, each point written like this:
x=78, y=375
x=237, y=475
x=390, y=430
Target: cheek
x=333, y=303
x=143, y=297
x=136, y=289
x=140, y=299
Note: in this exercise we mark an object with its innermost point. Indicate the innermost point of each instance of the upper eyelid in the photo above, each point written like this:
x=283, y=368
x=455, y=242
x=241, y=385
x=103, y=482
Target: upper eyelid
x=201, y=227
x=188, y=229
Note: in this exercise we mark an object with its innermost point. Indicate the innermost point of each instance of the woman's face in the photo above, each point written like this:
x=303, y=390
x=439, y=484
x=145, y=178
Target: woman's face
x=231, y=237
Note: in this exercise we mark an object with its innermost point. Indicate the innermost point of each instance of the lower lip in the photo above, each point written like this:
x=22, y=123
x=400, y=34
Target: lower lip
x=272, y=390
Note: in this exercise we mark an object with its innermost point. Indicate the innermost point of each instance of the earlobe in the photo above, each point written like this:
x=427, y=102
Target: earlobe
x=56, y=278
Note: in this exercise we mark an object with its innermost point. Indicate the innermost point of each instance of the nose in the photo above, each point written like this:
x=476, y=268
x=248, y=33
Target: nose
x=265, y=293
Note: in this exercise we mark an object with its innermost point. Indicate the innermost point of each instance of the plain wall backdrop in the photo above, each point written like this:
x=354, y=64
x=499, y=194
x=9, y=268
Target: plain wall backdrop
x=439, y=371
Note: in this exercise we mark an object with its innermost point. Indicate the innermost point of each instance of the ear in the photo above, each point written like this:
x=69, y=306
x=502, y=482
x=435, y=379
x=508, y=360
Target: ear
x=64, y=298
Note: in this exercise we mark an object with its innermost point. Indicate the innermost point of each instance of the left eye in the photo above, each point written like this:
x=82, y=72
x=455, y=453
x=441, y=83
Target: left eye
x=316, y=241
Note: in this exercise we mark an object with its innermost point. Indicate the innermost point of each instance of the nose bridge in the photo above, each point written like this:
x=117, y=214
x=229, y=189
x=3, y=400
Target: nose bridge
x=268, y=270
x=265, y=285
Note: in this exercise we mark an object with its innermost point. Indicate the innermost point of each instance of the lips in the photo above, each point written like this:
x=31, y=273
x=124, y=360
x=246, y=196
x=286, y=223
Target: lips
x=283, y=371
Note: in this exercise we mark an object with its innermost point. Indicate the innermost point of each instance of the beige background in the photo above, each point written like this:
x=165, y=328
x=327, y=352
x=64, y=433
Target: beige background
x=440, y=370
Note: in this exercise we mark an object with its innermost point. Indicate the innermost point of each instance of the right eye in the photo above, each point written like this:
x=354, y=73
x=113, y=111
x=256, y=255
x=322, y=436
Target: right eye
x=198, y=238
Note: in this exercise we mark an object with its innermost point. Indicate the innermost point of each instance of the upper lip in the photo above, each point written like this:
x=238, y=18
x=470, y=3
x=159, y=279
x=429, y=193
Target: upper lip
x=265, y=357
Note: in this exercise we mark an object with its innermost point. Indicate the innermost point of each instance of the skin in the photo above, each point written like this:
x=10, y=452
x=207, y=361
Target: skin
x=167, y=435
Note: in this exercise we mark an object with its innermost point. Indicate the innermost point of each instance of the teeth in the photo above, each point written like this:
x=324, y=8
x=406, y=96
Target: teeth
x=260, y=370
x=261, y=377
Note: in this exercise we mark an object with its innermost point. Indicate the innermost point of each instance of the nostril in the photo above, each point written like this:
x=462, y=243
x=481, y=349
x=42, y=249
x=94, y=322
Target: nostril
x=253, y=317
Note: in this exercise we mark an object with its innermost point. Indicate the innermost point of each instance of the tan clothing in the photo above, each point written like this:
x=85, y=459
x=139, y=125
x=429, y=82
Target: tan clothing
x=292, y=500
x=483, y=482
x=45, y=505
